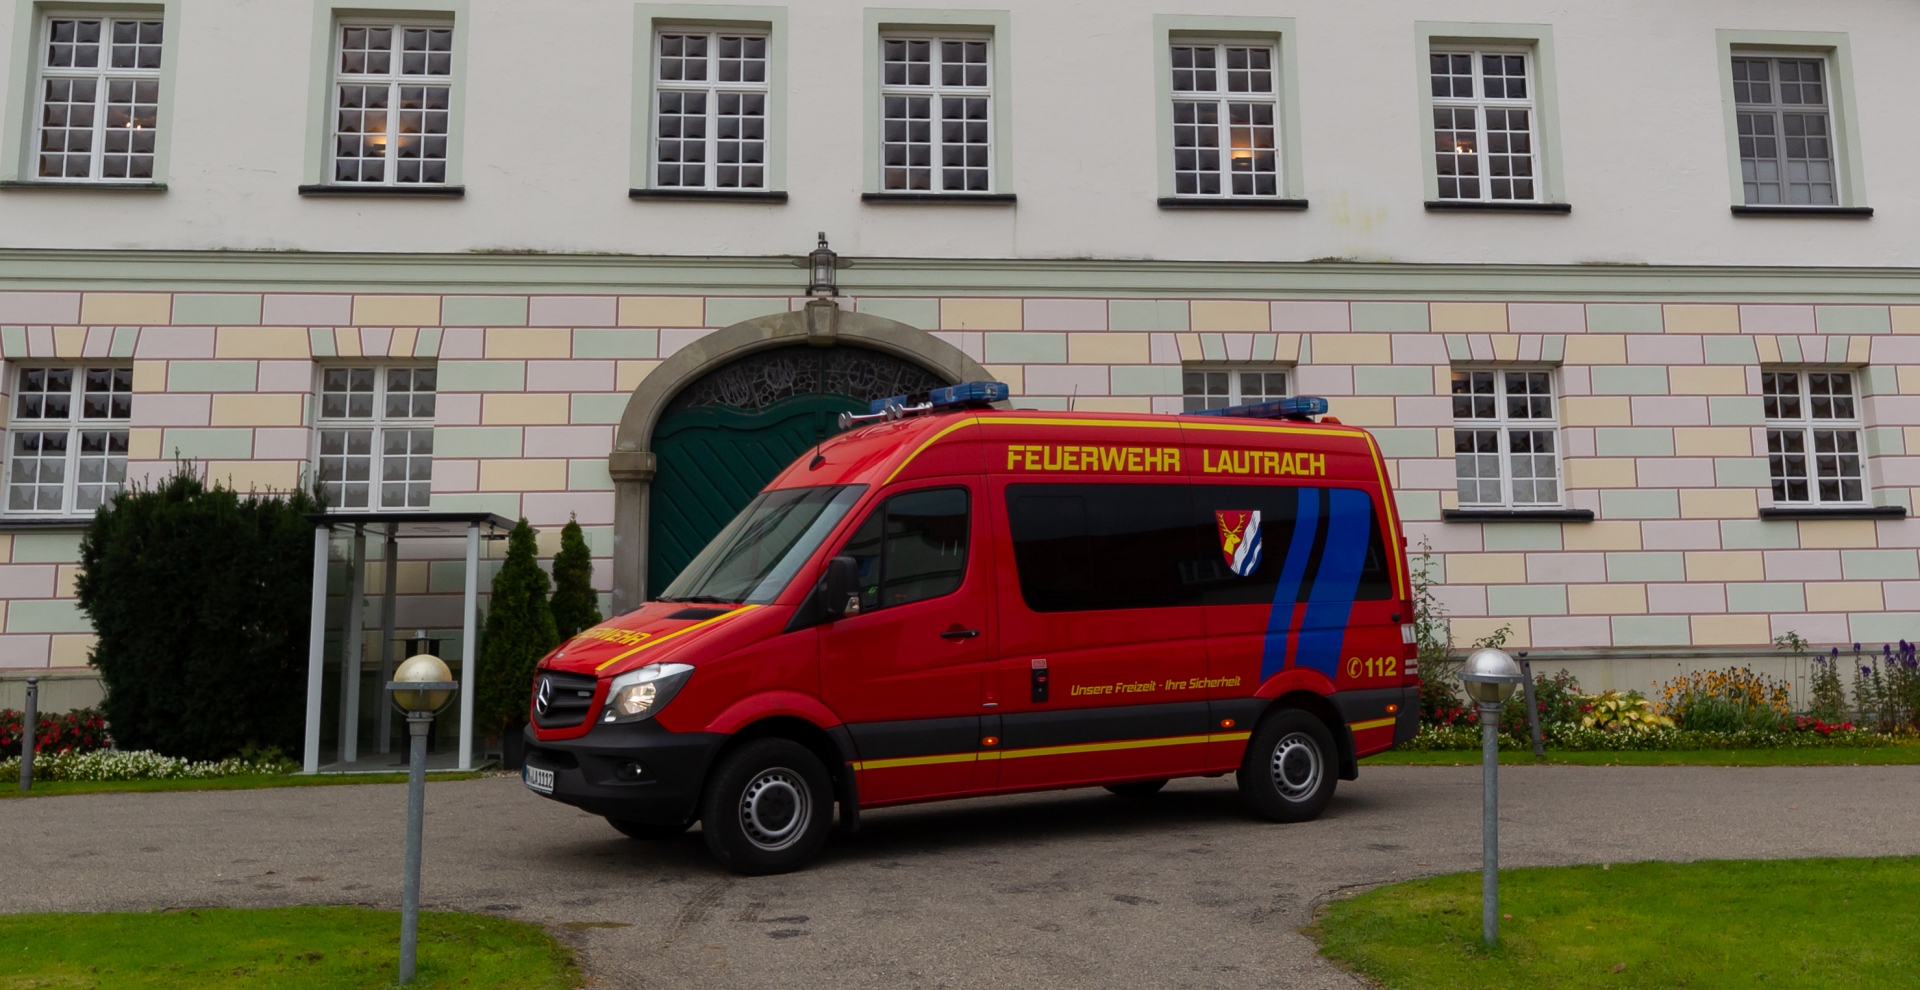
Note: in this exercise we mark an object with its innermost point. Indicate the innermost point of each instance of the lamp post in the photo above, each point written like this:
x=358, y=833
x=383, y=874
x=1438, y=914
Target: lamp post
x=1490, y=677
x=421, y=689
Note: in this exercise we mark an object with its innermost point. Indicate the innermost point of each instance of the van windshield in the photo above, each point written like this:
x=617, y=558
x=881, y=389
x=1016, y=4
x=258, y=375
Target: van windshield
x=754, y=557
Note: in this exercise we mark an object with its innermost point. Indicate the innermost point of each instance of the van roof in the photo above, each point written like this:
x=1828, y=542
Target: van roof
x=928, y=445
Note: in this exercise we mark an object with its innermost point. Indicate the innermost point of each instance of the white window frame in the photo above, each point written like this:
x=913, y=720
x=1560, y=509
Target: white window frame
x=1777, y=112
x=1222, y=97
x=112, y=465
x=103, y=75
x=1480, y=103
x=936, y=92
x=713, y=89
x=1816, y=465
x=395, y=79
x=377, y=423
x=1503, y=424
x=1236, y=387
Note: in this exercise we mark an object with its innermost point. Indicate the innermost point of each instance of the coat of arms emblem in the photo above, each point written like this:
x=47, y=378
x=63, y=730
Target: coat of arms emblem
x=1240, y=539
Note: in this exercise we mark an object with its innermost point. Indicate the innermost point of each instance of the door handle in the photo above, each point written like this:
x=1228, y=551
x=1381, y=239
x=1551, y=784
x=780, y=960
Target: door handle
x=960, y=634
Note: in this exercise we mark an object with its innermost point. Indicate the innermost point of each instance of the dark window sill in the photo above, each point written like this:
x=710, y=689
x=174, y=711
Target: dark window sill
x=1229, y=203
x=1858, y=212
x=13, y=184
x=1847, y=512
x=1517, y=515
x=421, y=191
x=8, y=523
x=982, y=199
x=1472, y=206
x=738, y=195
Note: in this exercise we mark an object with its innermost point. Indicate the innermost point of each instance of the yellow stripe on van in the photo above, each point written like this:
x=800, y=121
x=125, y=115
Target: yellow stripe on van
x=969, y=421
x=702, y=624
x=1378, y=723
x=1069, y=750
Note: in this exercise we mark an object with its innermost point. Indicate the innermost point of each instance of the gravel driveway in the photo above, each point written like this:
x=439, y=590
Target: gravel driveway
x=1067, y=889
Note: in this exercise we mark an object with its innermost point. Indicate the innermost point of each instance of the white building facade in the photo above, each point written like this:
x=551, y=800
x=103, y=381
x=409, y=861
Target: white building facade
x=1614, y=290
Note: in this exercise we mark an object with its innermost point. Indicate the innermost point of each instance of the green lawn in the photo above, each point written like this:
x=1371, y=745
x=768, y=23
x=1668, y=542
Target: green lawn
x=1782, y=757
x=314, y=948
x=10, y=788
x=1814, y=924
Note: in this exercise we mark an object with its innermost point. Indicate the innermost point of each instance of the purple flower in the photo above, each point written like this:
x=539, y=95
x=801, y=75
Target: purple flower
x=1864, y=671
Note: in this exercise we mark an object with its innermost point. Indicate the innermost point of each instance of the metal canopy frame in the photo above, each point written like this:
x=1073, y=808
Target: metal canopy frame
x=394, y=526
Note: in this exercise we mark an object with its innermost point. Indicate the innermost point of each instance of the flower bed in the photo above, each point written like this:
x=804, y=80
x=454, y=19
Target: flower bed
x=138, y=765
x=82, y=730
x=1578, y=738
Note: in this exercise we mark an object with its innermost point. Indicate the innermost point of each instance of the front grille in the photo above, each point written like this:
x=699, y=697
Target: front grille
x=569, y=698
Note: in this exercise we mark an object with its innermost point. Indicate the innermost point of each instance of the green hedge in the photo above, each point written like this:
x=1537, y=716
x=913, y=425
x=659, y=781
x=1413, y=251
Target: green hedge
x=201, y=598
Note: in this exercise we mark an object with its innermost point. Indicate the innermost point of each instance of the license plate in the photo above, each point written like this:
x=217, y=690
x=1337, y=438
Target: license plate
x=537, y=779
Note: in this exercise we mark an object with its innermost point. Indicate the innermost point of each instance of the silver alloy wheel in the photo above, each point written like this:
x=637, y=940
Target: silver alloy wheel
x=775, y=809
x=1296, y=766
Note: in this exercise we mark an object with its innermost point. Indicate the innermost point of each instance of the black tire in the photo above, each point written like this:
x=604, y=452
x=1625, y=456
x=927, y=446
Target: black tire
x=1137, y=790
x=1290, y=769
x=768, y=807
x=648, y=830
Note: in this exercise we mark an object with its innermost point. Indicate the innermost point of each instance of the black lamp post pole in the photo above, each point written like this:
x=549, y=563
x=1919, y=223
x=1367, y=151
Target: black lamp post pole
x=29, y=721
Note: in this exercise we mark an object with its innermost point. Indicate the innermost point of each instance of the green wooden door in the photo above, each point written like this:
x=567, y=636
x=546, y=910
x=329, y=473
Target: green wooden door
x=712, y=460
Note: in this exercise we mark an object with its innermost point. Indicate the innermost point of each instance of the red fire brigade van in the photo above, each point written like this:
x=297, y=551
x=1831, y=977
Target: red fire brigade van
x=954, y=600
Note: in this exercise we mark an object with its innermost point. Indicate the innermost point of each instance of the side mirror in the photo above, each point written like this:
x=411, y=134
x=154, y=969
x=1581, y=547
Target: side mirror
x=840, y=588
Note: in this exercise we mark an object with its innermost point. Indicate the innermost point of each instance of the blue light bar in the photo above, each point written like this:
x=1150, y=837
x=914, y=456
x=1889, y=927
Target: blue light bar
x=964, y=395
x=1297, y=407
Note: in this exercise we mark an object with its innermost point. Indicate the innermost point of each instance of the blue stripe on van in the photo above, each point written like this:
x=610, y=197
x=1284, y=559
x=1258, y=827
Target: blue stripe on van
x=1292, y=571
x=1330, y=603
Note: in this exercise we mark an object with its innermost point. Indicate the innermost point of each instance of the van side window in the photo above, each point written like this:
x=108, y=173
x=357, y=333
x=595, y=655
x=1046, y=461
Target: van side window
x=912, y=548
x=1093, y=547
x=1303, y=533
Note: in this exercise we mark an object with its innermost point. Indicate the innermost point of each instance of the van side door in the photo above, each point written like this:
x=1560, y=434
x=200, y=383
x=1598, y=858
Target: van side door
x=1102, y=663
x=905, y=672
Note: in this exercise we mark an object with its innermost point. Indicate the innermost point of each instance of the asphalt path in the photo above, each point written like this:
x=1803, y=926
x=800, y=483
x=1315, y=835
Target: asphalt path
x=1063, y=889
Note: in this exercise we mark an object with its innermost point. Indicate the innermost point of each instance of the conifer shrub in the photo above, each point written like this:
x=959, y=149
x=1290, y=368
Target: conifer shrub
x=575, y=605
x=201, y=597
x=519, y=632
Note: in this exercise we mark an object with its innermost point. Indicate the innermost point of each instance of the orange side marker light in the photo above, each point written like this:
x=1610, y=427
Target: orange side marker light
x=1226, y=723
x=1392, y=709
x=990, y=741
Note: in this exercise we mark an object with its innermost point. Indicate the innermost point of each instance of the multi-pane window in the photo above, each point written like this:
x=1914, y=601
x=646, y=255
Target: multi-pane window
x=1504, y=448
x=99, y=98
x=1786, y=141
x=1814, y=454
x=936, y=110
x=68, y=449
x=1217, y=388
x=376, y=437
x=1483, y=126
x=710, y=110
x=1225, y=120
x=392, y=93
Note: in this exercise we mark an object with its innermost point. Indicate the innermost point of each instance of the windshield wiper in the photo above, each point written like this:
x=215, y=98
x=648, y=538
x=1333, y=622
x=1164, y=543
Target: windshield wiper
x=702, y=600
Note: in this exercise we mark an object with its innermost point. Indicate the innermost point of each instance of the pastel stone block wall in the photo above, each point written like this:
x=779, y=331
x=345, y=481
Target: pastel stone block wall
x=1661, y=429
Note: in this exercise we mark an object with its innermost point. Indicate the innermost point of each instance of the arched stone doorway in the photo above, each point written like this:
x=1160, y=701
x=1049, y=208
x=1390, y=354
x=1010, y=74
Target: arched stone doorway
x=896, y=349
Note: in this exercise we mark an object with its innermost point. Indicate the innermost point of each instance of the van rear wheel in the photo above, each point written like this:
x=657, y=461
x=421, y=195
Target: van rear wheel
x=768, y=807
x=1138, y=789
x=1290, y=769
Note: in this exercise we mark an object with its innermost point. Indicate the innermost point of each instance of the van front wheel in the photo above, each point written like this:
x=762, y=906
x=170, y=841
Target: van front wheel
x=1289, y=771
x=768, y=807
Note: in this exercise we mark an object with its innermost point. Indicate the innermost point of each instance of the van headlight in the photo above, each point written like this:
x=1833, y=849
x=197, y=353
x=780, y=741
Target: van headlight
x=637, y=694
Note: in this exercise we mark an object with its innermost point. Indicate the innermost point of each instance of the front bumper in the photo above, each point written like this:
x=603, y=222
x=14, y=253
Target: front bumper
x=635, y=771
